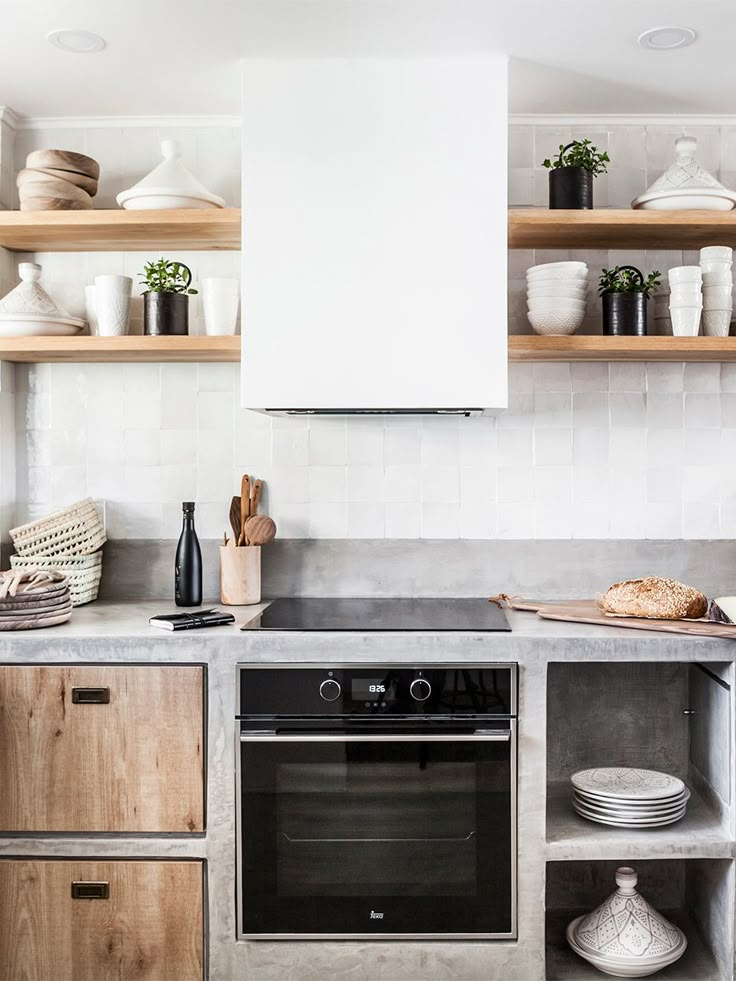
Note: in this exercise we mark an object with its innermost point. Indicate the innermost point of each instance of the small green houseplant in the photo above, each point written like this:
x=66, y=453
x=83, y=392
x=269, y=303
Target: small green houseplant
x=166, y=298
x=624, y=292
x=571, y=174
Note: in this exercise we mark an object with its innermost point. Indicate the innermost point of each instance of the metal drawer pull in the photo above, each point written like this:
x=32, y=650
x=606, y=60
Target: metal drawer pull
x=91, y=696
x=332, y=841
x=481, y=735
x=90, y=890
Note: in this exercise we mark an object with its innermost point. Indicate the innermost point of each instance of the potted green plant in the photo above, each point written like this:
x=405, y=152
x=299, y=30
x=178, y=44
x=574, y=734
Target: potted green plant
x=571, y=174
x=166, y=299
x=625, y=292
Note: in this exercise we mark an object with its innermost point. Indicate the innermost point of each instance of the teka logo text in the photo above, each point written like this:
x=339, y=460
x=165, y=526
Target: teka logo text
x=375, y=915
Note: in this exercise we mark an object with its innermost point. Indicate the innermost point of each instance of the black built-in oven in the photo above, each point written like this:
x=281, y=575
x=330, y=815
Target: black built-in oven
x=376, y=801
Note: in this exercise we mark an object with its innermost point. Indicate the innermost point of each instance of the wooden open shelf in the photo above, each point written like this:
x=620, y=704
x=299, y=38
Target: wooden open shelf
x=526, y=347
x=613, y=228
x=119, y=349
x=119, y=230
x=582, y=347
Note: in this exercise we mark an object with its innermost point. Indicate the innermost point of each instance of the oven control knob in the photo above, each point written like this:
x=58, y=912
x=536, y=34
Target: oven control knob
x=420, y=689
x=330, y=690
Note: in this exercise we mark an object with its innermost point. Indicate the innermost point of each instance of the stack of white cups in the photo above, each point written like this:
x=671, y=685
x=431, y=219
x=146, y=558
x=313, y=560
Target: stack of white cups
x=716, y=263
x=686, y=300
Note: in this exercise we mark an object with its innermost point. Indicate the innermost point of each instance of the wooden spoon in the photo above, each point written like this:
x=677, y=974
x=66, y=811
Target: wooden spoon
x=235, y=519
x=255, y=497
x=244, y=507
x=260, y=529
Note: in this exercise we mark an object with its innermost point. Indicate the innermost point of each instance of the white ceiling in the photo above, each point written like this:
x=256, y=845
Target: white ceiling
x=570, y=56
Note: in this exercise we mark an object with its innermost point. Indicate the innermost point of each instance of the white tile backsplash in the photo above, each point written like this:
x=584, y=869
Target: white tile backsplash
x=584, y=450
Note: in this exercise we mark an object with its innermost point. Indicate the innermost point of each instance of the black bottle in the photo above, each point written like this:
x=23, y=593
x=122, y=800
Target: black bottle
x=188, y=568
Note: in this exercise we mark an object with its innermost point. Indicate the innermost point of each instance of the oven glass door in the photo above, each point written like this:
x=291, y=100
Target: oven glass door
x=361, y=835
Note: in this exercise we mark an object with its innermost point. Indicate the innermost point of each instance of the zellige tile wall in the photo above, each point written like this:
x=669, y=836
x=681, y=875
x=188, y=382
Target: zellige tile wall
x=584, y=451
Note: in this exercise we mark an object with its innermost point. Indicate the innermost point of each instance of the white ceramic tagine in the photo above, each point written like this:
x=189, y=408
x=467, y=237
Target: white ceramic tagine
x=170, y=185
x=28, y=310
x=625, y=936
x=686, y=185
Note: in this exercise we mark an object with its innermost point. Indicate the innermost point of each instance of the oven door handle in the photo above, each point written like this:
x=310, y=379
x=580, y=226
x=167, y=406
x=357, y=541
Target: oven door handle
x=480, y=735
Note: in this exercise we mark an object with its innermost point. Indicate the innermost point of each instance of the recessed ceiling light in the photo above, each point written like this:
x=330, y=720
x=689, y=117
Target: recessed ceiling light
x=666, y=38
x=78, y=42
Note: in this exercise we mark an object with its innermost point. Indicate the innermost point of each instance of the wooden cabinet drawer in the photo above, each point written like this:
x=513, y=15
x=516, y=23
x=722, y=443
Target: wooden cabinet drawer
x=102, y=748
x=149, y=928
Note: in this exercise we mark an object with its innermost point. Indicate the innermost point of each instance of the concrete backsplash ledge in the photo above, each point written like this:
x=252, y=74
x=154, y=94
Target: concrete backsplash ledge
x=144, y=569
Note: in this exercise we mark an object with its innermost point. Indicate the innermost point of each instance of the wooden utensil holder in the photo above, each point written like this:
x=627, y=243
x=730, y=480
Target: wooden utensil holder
x=240, y=575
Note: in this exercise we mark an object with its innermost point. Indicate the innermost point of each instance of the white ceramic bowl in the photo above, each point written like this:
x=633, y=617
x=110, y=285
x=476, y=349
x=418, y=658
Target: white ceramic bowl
x=722, y=253
x=716, y=323
x=555, y=323
x=555, y=304
x=685, y=274
x=552, y=288
x=685, y=321
x=570, y=266
x=560, y=278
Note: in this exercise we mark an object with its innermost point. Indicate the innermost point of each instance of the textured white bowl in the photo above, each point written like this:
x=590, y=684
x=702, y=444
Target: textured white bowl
x=719, y=253
x=567, y=265
x=554, y=288
x=716, y=323
x=685, y=321
x=685, y=274
x=555, y=323
x=551, y=279
x=555, y=304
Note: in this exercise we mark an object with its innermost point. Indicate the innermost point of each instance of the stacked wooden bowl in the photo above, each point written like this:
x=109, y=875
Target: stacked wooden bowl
x=57, y=180
x=33, y=598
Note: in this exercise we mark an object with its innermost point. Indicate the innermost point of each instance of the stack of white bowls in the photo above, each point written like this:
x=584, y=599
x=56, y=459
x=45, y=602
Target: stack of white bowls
x=716, y=263
x=686, y=300
x=556, y=296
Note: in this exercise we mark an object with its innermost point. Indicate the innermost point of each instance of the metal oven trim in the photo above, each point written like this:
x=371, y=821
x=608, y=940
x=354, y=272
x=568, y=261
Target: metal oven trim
x=512, y=935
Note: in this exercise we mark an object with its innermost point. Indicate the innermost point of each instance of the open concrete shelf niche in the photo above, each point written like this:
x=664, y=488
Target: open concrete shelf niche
x=665, y=716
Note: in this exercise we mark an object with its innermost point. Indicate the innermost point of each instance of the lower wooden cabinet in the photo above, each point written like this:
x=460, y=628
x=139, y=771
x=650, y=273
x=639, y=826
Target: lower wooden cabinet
x=102, y=748
x=68, y=920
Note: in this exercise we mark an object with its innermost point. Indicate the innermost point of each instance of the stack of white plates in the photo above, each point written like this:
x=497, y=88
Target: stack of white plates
x=629, y=797
x=556, y=296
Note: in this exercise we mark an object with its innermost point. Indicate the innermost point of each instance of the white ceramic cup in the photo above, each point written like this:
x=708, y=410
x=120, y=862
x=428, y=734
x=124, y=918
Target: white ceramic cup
x=220, y=298
x=717, y=253
x=685, y=321
x=689, y=295
x=718, y=277
x=716, y=323
x=90, y=309
x=112, y=301
x=685, y=274
x=717, y=297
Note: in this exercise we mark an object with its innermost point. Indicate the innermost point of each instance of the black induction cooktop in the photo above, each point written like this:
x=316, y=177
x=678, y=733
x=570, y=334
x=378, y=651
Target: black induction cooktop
x=380, y=614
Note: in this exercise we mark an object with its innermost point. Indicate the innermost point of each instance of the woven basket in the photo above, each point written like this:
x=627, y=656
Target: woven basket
x=83, y=572
x=75, y=531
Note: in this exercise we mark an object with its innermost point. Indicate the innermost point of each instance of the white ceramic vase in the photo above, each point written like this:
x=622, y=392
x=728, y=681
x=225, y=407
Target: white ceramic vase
x=220, y=298
x=112, y=304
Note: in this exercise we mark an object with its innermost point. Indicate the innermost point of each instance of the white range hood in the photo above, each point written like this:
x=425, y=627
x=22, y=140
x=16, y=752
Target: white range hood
x=374, y=234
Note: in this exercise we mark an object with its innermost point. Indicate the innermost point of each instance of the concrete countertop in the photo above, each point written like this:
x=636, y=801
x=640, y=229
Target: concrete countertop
x=105, y=627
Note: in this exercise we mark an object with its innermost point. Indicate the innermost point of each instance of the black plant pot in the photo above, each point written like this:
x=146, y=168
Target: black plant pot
x=570, y=187
x=165, y=314
x=625, y=314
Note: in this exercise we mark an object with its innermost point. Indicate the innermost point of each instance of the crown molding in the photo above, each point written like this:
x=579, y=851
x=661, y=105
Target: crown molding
x=9, y=117
x=673, y=120
x=124, y=122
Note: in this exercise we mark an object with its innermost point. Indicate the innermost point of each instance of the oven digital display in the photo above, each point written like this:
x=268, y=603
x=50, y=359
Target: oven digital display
x=368, y=689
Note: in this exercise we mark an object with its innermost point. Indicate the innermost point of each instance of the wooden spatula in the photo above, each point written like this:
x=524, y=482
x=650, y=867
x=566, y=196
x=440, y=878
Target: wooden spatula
x=235, y=519
x=255, y=497
x=244, y=506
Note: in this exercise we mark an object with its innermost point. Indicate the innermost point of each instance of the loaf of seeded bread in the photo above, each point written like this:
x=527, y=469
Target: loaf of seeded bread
x=661, y=599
